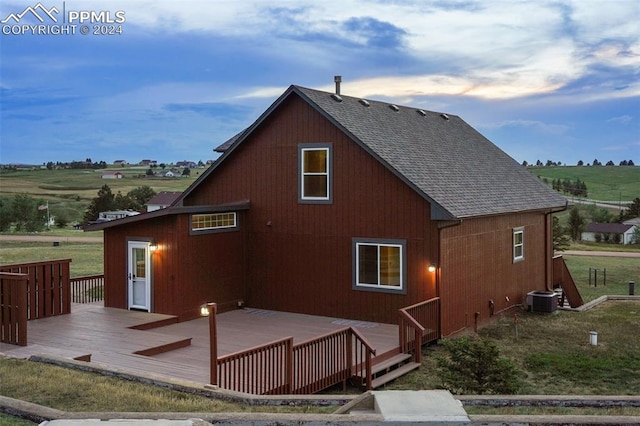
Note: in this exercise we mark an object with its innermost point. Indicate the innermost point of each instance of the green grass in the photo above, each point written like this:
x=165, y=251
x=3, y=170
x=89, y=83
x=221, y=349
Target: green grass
x=71, y=191
x=86, y=258
x=607, y=183
x=71, y=390
x=619, y=271
x=554, y=354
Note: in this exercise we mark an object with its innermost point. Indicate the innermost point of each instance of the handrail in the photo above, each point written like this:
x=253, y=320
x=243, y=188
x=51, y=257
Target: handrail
x=280, y=367
x=364, y=340
x=87, y=289
x=407, y=320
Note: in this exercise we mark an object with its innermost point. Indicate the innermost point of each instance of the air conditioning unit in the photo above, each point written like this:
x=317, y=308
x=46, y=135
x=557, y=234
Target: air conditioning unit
x=542, y=301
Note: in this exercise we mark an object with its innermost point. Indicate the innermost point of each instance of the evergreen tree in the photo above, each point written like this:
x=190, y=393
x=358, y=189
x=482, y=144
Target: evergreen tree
x=105, y=201
x=26, y=215
x=560, y=236
x=576, y=223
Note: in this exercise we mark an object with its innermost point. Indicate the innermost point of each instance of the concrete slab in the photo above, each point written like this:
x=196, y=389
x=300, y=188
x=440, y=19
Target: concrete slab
x=420, y=407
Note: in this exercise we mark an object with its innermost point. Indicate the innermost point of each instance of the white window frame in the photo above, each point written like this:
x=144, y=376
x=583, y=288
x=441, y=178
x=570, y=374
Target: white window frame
x=214, y=227
x=518, y=247
x=357, y=285
x=302, y=174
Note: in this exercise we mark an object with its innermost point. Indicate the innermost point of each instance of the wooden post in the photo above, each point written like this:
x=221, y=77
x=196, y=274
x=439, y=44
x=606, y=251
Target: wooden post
x=213, y=343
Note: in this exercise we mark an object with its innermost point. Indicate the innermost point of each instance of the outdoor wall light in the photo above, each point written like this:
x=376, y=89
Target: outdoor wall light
x=153, y=247
x=432, y=268
x=204, y=310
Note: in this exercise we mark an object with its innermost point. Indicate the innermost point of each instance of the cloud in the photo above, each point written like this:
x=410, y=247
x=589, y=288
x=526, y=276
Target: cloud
x=214, y=109
x=623, y=119
x=555, y=129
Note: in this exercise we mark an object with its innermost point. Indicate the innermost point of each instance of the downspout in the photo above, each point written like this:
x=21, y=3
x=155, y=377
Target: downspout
x=548, y=223
x=441, y=226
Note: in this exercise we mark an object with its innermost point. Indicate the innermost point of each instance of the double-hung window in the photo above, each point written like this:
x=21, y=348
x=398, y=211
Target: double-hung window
x=314, y=173
x=380, y=265
x=518, y=244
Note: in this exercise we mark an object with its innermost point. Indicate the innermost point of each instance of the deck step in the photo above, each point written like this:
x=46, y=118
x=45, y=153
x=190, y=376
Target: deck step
x=156, y=324
x=178, y=344
x=390, y=363
x=394, y=374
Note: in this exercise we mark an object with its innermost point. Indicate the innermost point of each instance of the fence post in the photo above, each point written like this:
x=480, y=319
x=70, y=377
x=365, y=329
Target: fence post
x=289, y=366
x=632, y=288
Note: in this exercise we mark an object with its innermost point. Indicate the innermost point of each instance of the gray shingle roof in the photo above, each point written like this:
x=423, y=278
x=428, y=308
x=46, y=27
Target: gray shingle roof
x=440, y=156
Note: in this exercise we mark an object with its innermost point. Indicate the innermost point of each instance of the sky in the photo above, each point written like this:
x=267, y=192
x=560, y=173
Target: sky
x=543, y=80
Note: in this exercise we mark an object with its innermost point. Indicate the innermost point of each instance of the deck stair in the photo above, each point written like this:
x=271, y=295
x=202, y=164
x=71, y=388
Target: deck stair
x=390, y=369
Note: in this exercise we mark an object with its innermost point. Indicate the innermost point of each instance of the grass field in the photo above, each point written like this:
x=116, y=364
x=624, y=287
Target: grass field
x=72, y=190
x=606, y=183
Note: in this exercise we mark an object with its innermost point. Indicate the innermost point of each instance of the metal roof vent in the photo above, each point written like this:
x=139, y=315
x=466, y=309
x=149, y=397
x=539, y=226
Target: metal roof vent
x=337, y=79
x=364, y=102
x=445, y=116
x=336, y=97
x=394, y=107
x=421, y=112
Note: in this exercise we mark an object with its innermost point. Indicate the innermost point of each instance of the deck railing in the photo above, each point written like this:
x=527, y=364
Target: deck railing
x=48, y=290
x=562, y=277
x=280, y=367
x=13, y=308
x=419, y=324
x=87, y=289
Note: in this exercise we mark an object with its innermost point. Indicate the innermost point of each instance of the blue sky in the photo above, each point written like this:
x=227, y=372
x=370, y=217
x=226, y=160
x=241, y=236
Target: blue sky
x=544, y=80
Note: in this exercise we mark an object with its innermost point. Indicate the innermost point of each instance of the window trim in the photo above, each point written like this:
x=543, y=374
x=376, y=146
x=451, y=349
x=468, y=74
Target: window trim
x=518, y=257
x=402, y=244
x=214, y=229
x=302, y=148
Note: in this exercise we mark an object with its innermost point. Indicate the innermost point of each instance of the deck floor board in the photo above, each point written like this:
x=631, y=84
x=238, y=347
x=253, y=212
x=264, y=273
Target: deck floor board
x=105, y=334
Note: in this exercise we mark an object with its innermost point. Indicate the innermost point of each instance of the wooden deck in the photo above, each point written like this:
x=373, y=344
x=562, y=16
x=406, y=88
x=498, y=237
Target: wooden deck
x=106, y=334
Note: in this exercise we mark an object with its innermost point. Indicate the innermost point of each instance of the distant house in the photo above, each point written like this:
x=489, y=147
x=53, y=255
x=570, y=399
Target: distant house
x=165, y=174
x=349, y=208
x=108, y=174
x=609, y=232
x=149, y=163
x=120, y=163
x=188, y=164
x=162, y=200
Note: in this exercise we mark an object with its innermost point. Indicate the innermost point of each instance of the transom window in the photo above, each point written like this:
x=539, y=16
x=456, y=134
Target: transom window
x=379, y=265
x=518, y=244
x=213, y=221
x=315, y=173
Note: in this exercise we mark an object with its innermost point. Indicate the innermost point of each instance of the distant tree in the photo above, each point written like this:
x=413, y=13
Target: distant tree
x=561, y=238
x=163, y=165
x=635, y=237
x=580, y=163
x=149, y=172
x=142, y=194
x=103, y=202
x=6, y=214
x=596, y=162
x=576, y=223
x=186, y=172
x=599, y=214
x=623, y=163
x=538, y=163
x=124, y=202
x=610, y=163
x=201, y=164
x=62, y=220
x=630, y=163
x=26, y=215
x=632, y=211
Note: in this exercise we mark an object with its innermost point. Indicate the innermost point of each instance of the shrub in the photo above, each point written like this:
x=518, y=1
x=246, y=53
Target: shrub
x=474, y=366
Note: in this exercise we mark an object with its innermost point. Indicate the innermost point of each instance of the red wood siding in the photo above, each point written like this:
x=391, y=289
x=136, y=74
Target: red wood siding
x=477, y=266
x=187, y=270
x=300, y=255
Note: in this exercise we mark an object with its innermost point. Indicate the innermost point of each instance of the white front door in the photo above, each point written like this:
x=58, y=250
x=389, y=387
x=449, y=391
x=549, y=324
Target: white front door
x=139, y=276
